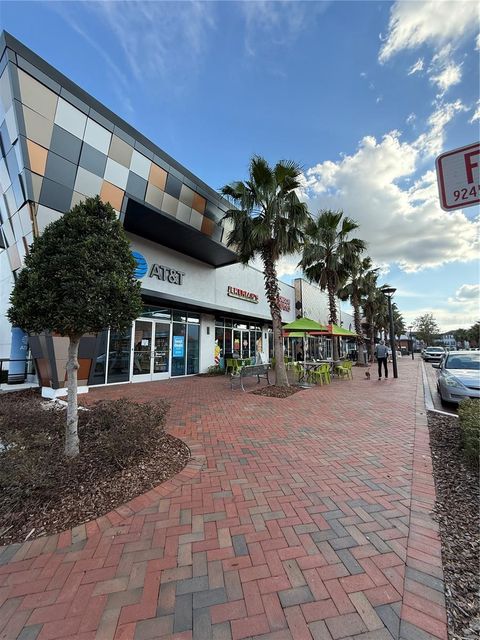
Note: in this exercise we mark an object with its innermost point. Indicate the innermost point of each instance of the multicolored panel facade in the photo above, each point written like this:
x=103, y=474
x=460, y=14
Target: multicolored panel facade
x=58, y=146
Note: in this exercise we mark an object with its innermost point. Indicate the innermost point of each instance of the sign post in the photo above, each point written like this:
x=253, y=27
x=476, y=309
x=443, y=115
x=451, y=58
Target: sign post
x=458, y=177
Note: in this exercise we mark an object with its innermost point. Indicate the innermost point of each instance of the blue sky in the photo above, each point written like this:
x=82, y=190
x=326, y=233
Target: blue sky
x=364, y=95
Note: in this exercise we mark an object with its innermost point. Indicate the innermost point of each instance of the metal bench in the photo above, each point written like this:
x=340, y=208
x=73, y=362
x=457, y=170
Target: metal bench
x=251, y=370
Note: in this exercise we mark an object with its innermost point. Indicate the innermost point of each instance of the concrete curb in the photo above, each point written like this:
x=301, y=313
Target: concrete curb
x=428, y=396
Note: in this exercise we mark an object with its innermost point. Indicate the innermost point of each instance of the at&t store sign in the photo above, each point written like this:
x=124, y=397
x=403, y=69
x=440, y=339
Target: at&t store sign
x=159, y=271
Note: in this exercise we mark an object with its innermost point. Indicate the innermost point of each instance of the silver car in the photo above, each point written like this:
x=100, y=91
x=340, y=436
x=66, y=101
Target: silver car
x=458, y=376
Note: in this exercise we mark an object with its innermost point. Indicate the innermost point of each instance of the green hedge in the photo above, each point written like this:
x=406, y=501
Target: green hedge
x=469, y=415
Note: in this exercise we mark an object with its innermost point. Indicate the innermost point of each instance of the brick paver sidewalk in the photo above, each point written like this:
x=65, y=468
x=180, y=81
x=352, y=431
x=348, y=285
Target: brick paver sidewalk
x=307, y=517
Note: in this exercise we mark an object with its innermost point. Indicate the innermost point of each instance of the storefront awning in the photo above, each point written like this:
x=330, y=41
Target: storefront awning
x=159, y=227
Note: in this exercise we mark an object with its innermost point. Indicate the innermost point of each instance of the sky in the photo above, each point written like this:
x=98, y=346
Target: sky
x=363, y=95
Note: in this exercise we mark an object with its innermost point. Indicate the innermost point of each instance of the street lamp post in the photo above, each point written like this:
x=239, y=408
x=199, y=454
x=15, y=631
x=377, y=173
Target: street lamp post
x=389, y=291
x=410, y=328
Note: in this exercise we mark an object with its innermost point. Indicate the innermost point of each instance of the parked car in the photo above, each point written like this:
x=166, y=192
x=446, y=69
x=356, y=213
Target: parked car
x=433, y=354
x=458, y=376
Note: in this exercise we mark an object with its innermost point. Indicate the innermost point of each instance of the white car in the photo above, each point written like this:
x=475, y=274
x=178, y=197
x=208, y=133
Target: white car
x=458, y=376
x=433, y=353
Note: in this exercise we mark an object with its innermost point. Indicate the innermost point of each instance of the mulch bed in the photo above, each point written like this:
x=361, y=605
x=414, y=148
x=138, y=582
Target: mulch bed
x=457, y=511
x=272, y=391
x=86, y=488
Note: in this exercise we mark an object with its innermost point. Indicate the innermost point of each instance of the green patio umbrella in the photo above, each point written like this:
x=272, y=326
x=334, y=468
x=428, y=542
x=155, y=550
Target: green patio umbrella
x=301, y=328
x=340, y=331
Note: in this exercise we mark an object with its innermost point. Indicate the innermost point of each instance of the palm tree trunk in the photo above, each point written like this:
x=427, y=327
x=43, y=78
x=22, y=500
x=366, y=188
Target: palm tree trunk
x=358, y=328
x=332, y=307
x=272, y=291
x=72, y=447
x=372, y=340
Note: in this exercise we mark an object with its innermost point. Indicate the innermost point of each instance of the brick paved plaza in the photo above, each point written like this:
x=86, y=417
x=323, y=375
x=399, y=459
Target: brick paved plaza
x=306, y=517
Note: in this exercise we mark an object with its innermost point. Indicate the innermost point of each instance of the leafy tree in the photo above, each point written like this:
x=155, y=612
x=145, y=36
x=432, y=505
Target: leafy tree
x=426, y=328
x=78, y=278
x=329, y=254
x=353, y=289
x=269, y=222
x=473, y=334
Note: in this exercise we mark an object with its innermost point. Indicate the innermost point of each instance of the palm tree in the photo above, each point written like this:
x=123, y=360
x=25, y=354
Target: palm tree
x=328, y=256
x=353, y=290
x=370, y=302
x=398, y=321
x=375, y=308
x=269, y=222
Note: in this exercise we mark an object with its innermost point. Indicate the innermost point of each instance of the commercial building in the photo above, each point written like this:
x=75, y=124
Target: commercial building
x=60, y=145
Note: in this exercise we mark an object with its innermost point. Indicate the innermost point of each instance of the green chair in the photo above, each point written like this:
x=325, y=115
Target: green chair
x=344, y=370
x=297, y=367
x=322, y=374
x=231, y=366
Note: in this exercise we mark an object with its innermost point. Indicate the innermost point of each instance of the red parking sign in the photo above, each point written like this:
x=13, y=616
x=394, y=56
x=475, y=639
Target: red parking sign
x=458, y=177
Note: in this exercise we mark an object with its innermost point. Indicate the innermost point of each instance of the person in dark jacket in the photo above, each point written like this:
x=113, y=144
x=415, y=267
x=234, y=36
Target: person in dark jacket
x=381, y=353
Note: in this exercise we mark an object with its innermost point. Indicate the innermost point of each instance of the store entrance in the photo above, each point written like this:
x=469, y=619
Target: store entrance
x=241, y=344
x=151, y=350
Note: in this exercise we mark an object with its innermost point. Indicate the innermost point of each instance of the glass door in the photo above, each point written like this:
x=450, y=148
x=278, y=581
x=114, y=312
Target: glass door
x=161, y=351
x=151, y=350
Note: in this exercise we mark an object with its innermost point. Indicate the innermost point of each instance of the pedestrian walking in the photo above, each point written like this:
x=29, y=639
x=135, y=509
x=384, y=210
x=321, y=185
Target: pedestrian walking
x=381, y=353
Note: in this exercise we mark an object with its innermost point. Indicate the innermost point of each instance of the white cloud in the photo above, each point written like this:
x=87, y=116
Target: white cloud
x=417, y=67
x=411, y=118
x=476, y=113
x=467, y=292
x=443, y=71
x=477, y=43
x=158, y=39
x=449, y=76
x=401, y=224
x=279, y=23
x=435, y=22
x=430, y=143
x=457, y=315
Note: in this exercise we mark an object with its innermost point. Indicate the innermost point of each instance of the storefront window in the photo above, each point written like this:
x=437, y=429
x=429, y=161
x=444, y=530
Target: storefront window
x=156, y=312
x=193, y=348
x=178, y=349
x=219, y=352
x=99, y=363
x=179, y=316
x=119, y=356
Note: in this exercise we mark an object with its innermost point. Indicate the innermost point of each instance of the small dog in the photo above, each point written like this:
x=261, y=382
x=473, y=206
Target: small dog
x=367, y=375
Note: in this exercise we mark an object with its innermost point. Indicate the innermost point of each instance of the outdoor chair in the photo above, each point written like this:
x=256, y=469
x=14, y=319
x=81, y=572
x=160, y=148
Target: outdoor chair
x=297, y=367
x=231, y=365
x=322, y=374
x=344, y=370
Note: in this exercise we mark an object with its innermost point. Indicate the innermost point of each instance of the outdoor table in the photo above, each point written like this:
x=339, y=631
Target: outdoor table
x=308, y=366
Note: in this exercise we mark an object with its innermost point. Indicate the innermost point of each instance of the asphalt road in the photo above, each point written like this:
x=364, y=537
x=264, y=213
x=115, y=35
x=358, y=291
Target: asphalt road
x=432, y=381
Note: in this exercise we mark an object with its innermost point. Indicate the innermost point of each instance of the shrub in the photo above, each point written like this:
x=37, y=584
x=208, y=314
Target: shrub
x=215, y=370
x=469, y=418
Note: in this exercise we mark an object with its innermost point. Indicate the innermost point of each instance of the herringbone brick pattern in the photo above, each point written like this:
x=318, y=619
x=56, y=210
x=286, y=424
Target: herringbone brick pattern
x=299, y=518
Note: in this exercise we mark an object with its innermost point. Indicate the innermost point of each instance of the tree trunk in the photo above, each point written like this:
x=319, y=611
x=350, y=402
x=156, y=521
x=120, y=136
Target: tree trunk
x=332, y=307
x=72, y=447
x=272, y=291
x=358, y=329
x=372, y=341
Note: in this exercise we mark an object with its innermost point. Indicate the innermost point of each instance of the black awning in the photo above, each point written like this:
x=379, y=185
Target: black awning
x=159, y=227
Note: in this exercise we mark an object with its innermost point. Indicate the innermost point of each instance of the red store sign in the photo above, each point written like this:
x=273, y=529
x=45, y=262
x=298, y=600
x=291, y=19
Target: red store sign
x=284, y=303
x=234, y=292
